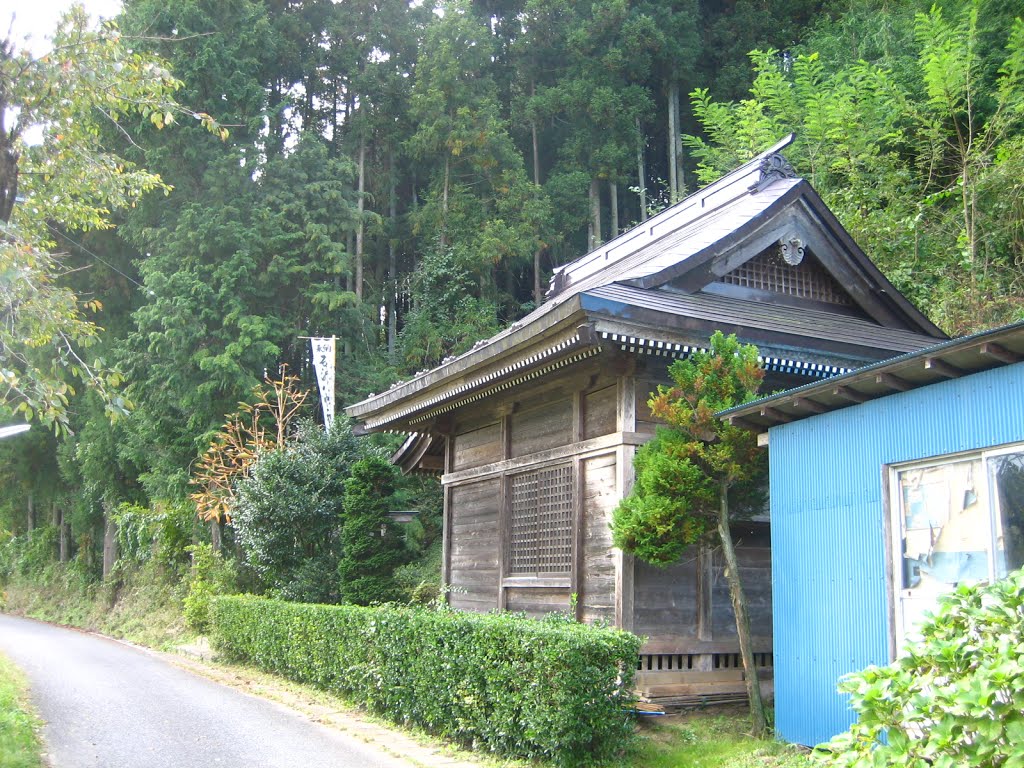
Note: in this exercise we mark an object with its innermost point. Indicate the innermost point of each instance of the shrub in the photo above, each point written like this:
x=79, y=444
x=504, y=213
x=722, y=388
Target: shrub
x=162, y=532
x=288, y=511
x=211, y=575
x=372, y=545
x=510, y=685
x=955, y=698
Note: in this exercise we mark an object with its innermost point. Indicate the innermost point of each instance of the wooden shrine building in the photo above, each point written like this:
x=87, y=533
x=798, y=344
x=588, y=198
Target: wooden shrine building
x=533, y=431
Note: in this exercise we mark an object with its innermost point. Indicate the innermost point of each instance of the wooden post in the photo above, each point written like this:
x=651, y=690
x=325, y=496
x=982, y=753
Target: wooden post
x=624, y=475
x=446, y=522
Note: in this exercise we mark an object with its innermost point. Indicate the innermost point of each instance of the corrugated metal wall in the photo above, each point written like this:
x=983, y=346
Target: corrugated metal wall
x=828, y=550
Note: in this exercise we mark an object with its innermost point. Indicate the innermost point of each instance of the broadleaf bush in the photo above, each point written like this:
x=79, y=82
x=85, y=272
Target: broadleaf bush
x=954, y=698
x=513, y=686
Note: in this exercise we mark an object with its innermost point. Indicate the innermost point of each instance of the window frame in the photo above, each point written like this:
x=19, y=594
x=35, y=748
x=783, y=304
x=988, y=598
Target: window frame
x=894, y=525
x=565, y=540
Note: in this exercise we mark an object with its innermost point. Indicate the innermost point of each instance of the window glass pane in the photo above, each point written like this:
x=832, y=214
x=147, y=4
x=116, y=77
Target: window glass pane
x=944, y=525
x=1007, y=474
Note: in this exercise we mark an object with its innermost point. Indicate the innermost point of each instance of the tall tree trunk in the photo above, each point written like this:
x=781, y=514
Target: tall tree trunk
x=641, y=174
x=613, y=191
x=216, y=536
x=739, y=607
x=9, y=154
x=536, y=150
x=30, y=513
x=677, y=143
x=444, y=201
x=538, y=296
x=109, y=543
x=360, y=206
x=392, y=302
x=672, y=183
x=56, y=520
x=594, y=238
x=275, y=127
x=64, y=552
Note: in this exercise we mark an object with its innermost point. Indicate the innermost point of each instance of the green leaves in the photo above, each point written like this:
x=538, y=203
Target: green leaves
x=954, y=697
x=371, y=543
x=91, y=81
x=915, y=149
x=288, y=511
x=679, y=474
x=547, y=691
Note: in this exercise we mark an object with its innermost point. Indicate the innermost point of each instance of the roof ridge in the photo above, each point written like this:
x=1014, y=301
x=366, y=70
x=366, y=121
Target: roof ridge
x=751, y=175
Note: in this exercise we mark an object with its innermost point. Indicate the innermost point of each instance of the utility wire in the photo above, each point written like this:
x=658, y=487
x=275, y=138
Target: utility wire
x=96, y=256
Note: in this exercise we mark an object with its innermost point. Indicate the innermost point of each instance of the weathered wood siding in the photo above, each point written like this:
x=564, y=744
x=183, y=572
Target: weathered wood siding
x=477, y=447
x=645, y=385
x=597, y=577
x=545, y=426
x=536, y=602
x=754, y=553
x=665, y=599
x=599, y=412
x=474, y=510
x=667, y=602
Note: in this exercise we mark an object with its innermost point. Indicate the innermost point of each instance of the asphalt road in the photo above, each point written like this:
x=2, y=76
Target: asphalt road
x=111, y=705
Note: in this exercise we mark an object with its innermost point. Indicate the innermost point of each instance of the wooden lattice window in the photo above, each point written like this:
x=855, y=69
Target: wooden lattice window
x=541, y=524
x=768, y=271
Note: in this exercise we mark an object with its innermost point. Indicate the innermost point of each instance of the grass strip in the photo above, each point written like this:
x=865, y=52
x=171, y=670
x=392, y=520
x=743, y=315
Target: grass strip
x=20, y=746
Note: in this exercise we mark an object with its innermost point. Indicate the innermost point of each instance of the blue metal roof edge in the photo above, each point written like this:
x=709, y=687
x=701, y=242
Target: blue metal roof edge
x=882, y=366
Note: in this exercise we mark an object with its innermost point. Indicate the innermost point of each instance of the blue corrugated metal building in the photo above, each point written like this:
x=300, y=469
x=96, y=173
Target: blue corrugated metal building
x=855, y=461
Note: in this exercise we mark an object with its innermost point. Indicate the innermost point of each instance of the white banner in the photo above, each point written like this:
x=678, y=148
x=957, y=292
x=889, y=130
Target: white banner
x=323, y=363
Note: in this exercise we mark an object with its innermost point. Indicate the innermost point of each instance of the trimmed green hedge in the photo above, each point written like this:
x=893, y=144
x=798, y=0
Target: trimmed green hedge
x=514, y=686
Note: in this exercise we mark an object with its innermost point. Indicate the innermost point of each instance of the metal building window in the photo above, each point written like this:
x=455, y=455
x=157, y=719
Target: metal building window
x=957, y=520
x=541, y=524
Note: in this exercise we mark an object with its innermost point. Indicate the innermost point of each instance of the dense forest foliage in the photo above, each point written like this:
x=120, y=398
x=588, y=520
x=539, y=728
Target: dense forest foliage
x=404, y=176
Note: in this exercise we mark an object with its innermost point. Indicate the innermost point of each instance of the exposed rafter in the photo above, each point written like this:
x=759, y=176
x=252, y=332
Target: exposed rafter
x=892, y=381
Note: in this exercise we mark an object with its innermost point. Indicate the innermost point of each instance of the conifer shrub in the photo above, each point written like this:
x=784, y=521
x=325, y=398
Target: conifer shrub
x=954, y=698
x=509, y=685
x=372, y=545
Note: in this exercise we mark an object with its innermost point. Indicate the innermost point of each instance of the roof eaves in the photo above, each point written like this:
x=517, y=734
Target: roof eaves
x=517, y=334
x=905, y=306
x=883, y=378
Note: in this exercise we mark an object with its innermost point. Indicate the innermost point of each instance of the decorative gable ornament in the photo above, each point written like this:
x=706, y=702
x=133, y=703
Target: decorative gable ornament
x=792, y=250
x=774, y=167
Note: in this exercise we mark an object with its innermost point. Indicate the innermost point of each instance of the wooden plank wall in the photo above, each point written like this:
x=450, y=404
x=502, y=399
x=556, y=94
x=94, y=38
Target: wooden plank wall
x=514, y=432
x=668, y=602
x=537, y=602
x=599, y=410
x=597, y=577
x=478, y=447
x=474, y=510
x=754, y=553
x=665, y=599
x=538, y=428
